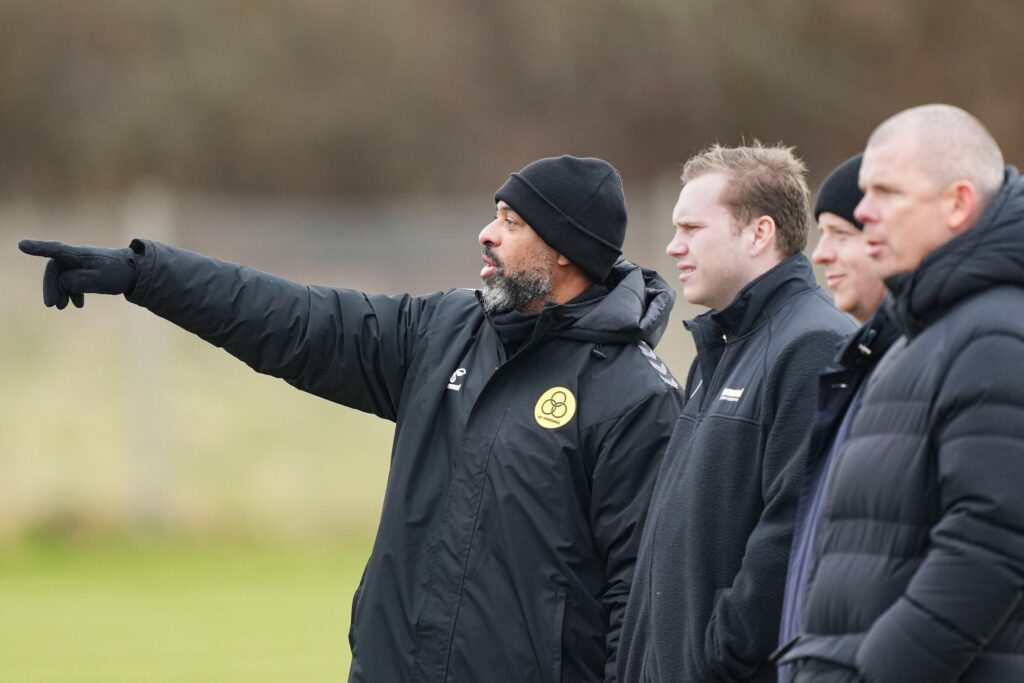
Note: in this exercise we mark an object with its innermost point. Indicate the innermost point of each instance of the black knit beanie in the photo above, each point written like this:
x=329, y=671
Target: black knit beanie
x=839, y=193
x=575, y=205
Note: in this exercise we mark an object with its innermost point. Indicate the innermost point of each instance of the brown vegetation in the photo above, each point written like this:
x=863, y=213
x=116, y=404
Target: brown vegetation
x=338, y=97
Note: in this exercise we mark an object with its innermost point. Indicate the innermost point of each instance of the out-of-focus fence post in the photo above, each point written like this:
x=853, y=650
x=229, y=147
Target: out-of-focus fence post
x=148, y=211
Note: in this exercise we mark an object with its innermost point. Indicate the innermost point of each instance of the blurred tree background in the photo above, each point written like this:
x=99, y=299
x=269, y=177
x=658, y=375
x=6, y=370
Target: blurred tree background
x=343, y=98
x=356, y=144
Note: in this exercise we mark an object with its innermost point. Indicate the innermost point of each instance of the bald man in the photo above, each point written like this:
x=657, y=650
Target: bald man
x=921, y=567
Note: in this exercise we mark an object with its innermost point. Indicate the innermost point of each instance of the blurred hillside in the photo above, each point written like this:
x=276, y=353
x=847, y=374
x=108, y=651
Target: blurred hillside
x=358, y=144
x=347, y=98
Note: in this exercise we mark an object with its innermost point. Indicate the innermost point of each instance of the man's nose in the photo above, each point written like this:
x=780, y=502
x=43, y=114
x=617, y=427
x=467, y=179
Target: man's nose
x=865, y=210
x=823, y=252
x=676, y=247
x=490, y=234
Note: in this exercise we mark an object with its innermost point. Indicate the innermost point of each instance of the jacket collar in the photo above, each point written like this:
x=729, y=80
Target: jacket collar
x=635, y=308
x=865, y=346
x=758, y=300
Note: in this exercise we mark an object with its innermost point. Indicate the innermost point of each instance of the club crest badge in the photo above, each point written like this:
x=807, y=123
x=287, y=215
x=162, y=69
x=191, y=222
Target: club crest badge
x=555, y=408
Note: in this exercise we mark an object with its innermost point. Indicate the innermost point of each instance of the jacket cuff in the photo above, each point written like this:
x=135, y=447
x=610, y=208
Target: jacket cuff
x=144, y=260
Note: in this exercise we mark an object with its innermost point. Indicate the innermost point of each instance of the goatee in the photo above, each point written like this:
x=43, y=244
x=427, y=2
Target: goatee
x=505, y=292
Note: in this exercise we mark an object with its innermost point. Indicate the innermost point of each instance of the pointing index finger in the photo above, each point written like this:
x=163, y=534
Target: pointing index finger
x=41, y=248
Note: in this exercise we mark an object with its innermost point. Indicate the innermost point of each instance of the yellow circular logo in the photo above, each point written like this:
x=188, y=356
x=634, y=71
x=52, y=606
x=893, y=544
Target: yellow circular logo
x=555, y=408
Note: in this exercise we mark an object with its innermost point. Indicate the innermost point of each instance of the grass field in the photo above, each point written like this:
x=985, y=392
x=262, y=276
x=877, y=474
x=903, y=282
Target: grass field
x=164, y=612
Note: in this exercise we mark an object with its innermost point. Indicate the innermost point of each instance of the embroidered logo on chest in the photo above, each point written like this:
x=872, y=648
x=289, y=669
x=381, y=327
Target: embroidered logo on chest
x=555, y=408
x=455, y=381
x=732, y=395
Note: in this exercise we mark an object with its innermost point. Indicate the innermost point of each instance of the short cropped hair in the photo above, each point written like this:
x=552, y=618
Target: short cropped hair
x=763, y=180
x=951, y=145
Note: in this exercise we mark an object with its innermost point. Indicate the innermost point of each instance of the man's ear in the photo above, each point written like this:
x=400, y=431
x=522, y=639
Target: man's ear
x=961, y=204
x=562, y=261
x=762, y=235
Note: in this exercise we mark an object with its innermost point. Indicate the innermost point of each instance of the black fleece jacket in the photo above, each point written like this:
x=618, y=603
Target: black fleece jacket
x=712, y=566
x=518, y=485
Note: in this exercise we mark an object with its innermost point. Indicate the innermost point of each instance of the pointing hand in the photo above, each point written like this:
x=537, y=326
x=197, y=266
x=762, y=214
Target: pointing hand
x=74, y=271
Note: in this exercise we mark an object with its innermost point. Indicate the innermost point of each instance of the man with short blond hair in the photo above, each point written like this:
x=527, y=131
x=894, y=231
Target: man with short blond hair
x=920, y=575
x=765, y=180
x=708, y=586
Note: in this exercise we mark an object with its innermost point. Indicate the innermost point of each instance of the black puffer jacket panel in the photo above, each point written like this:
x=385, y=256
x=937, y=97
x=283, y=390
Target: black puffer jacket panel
x=921, y=572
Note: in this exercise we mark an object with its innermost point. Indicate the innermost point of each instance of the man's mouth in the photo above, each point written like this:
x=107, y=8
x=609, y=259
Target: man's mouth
x=686, y=271
x=873, y=249
x=834, y=279
x=491, y=265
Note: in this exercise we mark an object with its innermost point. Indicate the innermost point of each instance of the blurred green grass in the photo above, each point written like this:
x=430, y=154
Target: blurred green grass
x=255, y=503
x=164, y=611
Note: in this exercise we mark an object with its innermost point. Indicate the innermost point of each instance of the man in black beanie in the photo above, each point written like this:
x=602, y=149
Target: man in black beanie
x=530, y=417
x=842, y=249
x=576, y=219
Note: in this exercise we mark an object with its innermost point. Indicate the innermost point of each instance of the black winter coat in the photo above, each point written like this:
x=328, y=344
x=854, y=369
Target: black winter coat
x=712, y=566
x=838, y=384
x=921, y=572
x=518, y=486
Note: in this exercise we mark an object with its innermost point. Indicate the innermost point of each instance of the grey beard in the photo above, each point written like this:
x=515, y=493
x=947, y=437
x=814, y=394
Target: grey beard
x=514, y=292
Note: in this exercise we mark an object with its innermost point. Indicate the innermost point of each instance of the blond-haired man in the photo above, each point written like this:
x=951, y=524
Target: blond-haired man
x=708, y=587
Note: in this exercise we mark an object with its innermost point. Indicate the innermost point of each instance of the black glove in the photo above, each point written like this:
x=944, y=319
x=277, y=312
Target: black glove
x=74, y=271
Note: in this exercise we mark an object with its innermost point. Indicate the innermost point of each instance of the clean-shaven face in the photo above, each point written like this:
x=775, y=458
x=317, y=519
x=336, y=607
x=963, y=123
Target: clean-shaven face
x=708, y=246
x=903, y=210
x=842, y=250
x=518, y=264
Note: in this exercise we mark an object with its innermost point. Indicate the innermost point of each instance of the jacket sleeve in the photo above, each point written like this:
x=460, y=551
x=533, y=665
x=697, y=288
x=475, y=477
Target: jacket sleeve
x=628, y=458
x=744, y=625
x=343, y=345
x=972, y=577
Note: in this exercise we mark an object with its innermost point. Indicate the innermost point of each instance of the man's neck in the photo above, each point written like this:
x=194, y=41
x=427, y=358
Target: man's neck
x=569, y=287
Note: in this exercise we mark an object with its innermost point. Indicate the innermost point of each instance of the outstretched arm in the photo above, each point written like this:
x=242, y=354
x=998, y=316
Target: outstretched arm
x=343, y=345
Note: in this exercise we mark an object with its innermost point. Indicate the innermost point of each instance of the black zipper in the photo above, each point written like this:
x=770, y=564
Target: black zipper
x=714, y=376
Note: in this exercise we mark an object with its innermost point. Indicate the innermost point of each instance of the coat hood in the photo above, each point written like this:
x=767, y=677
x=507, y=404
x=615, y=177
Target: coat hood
x=988, y=255
x=636, y=308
